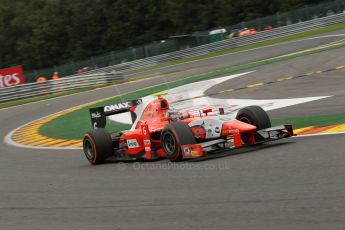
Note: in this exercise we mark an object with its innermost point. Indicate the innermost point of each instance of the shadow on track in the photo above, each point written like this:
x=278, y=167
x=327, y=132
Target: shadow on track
x=216, y=155
x=249, y=149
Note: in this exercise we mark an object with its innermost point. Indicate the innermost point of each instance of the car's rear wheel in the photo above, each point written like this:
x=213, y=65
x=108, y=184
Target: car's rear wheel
x=97, y=145
x=173, y=136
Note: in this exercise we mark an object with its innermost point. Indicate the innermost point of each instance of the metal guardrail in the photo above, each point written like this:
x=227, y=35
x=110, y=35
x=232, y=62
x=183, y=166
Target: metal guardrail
x=226, y=44
x=57, y=86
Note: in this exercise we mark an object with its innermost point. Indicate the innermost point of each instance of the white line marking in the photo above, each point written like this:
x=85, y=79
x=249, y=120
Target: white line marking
x=8, y=140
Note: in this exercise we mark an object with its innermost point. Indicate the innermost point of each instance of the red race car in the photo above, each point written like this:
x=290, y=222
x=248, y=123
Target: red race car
x=161, y=132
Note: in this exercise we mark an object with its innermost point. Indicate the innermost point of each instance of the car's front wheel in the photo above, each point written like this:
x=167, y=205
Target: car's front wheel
x=256, y=116
x=173, y=136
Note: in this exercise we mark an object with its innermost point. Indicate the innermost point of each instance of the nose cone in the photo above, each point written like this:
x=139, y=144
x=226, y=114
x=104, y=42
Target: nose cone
x=239, y=125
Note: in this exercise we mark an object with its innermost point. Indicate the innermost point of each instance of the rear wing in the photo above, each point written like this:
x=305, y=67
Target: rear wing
x=98, y=115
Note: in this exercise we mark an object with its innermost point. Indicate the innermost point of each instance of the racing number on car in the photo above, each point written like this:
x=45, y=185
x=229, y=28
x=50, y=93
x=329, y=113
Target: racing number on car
x=144, y=130
x=147, y=142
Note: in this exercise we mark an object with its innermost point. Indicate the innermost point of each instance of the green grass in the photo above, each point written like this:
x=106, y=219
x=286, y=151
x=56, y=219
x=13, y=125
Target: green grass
x=75, y=124
x=323, y=120
x=243, y=48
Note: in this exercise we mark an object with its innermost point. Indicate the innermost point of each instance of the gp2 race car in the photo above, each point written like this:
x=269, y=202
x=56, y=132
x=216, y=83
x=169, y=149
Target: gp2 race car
x=161, y=132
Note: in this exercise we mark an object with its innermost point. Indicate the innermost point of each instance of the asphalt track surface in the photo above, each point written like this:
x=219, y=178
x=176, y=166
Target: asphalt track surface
x=291, y=184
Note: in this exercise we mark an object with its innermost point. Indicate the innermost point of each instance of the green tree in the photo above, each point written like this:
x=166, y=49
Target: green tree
x=43, y=33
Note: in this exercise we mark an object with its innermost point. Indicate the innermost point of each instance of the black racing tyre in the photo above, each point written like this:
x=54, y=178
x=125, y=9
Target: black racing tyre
x=97, y=145
x=173, y=136
x=254, y=115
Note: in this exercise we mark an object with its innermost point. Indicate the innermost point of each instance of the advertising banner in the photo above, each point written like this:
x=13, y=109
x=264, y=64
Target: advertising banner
x=11, y=76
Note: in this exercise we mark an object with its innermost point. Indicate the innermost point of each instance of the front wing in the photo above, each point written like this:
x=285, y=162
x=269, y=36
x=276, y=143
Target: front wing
x=234, y=141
